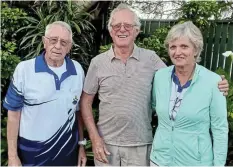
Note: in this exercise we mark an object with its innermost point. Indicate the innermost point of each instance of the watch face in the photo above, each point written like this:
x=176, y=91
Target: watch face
x=83, y=142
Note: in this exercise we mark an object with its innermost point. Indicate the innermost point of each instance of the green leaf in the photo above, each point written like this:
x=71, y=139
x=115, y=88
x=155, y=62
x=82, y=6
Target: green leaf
x=76, y=26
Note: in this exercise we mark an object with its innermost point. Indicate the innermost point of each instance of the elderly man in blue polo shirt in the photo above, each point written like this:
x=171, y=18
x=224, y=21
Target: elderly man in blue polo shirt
x=42, y=100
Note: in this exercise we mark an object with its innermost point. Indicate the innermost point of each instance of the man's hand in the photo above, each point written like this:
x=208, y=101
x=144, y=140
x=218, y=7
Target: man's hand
x=99, y=149
x=14, y=161
x=223, y=85
x=82, y=159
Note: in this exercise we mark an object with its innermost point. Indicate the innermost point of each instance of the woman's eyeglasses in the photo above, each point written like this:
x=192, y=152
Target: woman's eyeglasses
x=173, y=112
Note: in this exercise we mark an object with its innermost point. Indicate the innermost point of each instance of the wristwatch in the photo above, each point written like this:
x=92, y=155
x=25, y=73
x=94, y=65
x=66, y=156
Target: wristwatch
x=82, y=142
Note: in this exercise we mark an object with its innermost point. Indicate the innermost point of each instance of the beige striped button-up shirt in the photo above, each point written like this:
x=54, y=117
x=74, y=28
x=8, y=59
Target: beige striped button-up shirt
x=124, y=91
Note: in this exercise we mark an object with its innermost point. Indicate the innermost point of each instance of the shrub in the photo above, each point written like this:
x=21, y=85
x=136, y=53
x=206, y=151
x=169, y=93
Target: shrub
x=11, y=21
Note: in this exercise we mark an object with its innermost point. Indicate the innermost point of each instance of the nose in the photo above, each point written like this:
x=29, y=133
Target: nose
x=122, y=29
x=58, y=44
x=178, y=51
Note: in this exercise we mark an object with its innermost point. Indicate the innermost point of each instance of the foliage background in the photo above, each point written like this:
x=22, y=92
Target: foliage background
x=9, y=60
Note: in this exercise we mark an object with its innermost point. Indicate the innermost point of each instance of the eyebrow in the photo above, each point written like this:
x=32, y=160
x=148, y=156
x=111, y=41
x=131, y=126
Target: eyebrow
x=183, y=45
x=123, y=23
x=60, y=38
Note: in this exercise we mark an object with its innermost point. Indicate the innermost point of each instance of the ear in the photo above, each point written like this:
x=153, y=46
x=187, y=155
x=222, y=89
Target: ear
x=195, y=53
x=69, y=48
x=44, y=42
x=137, y=31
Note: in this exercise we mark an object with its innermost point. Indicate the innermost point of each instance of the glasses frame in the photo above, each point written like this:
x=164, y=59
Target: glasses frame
x=57, y=39
x=177, y=104
x=129, y=28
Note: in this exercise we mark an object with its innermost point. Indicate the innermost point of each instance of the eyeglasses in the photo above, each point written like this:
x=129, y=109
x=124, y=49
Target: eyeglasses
x=127, y=27
x=54, y=41
x=173, y=112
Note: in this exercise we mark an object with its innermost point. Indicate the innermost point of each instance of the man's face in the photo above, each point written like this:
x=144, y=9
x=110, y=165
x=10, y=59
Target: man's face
x=123, y=30
x=57, y=43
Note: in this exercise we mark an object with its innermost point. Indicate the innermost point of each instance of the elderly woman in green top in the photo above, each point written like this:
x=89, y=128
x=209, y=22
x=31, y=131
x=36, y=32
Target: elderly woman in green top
x=192, y=115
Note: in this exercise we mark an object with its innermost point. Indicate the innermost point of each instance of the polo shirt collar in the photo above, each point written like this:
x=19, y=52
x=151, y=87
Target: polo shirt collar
x=190, y=82
x=135, y=53
x=41, y=65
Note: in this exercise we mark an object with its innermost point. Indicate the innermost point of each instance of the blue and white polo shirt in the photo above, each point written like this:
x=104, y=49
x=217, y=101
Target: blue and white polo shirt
x=48, y=133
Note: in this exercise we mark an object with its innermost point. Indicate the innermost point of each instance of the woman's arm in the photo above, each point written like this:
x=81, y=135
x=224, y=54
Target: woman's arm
x=219, y=126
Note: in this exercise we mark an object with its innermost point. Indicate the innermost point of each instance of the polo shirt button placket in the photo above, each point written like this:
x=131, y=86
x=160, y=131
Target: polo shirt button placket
x=57, y=82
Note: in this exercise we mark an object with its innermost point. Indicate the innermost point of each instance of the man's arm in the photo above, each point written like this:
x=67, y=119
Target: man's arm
x=82, y=159
x=223, y=85
x=12, y=137
x=98, y=146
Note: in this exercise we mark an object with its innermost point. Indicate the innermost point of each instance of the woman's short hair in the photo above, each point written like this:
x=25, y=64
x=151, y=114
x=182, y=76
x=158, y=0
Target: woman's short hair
x=189, y=30
x=123, y=7
x=61, y=23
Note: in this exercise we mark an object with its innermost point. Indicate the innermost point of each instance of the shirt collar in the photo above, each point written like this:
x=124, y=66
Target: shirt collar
x=188, y=83
x=175, y=79
x=135, y=53
x=41, y=65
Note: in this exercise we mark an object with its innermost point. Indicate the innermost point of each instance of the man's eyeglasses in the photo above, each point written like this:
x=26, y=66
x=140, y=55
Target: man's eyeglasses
x=54, y=41
x=127, y=27
x=173, y=112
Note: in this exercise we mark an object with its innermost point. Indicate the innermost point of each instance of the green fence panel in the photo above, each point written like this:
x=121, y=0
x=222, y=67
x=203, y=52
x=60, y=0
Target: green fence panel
x=229, y=46
x=216, y=55
x=228, y=63
x=203, y=53
x=209, y=50
x=154, y=26
x=222, y=45
x=164, y=24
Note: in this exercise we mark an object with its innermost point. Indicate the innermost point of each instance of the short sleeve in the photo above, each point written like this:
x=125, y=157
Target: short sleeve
x=91, y=85
x=157, y=61
x=15, y=95
x=82, y=82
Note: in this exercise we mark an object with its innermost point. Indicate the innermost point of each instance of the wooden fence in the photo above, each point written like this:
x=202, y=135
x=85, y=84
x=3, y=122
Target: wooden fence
x=217, y=39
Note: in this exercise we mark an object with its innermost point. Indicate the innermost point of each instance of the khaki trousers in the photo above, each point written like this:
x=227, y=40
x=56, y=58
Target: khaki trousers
x=127, y=156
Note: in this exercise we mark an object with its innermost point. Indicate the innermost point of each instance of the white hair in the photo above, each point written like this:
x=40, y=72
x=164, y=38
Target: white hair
x=123, y=7
x=62, y=24
x=189, y=30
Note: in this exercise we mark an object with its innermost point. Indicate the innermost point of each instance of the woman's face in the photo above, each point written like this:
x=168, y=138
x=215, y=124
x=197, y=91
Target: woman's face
x=182, y=52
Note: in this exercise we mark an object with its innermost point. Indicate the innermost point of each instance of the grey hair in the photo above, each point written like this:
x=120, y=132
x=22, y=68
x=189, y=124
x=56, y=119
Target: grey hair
x=189, y=30
x=62, y=24
x=123, y=7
